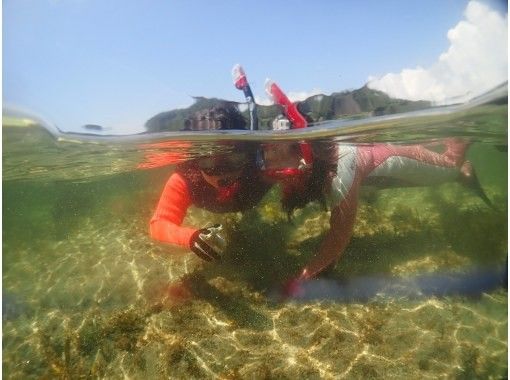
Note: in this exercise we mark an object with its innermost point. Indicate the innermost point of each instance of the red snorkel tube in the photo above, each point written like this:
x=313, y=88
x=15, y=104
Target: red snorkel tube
x=292, y=113
x=289, y=108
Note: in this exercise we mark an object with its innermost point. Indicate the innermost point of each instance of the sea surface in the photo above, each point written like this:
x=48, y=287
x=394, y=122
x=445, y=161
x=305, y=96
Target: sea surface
x=87, y=294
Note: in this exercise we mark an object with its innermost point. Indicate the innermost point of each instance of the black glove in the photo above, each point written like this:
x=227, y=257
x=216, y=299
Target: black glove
x=208, y=243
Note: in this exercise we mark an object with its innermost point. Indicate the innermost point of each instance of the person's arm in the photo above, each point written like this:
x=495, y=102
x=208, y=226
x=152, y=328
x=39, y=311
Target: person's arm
x=334, y=243
x=165, y=225
x=352, y=167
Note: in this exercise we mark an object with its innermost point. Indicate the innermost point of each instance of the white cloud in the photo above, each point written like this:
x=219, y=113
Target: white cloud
x=476, y=61
x=263, y=101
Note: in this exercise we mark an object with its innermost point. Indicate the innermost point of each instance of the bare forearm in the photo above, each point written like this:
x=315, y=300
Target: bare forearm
x=336, y=240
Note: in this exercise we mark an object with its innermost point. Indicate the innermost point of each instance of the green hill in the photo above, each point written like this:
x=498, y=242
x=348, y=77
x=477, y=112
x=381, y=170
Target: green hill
x=362, y=102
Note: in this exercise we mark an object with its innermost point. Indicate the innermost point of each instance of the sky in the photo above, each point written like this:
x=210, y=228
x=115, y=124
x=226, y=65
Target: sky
x=118, y=63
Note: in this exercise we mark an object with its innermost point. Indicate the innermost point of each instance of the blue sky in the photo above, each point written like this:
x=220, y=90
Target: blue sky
x=118, y=63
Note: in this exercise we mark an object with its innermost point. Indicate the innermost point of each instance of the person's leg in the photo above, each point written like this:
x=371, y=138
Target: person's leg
x=414, y=165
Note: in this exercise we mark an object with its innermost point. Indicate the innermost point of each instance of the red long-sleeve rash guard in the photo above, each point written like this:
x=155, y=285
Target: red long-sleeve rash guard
x=173, y=204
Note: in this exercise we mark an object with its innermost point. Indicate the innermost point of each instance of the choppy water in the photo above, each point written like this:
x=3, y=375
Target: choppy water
x=86, y=293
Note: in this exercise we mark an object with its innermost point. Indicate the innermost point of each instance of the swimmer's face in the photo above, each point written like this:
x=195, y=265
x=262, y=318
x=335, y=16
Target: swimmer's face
x=222, y=170
x=282, y=162
x=281, y=155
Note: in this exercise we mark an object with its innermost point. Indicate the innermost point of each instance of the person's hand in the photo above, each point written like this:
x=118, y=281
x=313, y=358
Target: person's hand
x=294, y=287
x=208, y=243
x=291, y=289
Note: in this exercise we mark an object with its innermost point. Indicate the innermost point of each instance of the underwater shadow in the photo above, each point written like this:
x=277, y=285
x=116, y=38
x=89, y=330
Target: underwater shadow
x=377, y=253
x=478, y=232
x=236, y=308
x=255, y=261
x=471, y=284
x=257, y=254
x=13, y=306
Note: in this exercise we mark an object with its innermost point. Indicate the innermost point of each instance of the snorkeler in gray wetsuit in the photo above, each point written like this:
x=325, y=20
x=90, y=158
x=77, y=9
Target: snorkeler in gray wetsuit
x=337, y=175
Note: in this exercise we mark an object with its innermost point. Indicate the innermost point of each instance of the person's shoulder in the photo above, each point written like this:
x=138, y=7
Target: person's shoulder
x=177, y=179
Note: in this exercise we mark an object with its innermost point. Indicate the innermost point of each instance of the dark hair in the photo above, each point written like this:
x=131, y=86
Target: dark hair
x=221, y=117
x=323, y=169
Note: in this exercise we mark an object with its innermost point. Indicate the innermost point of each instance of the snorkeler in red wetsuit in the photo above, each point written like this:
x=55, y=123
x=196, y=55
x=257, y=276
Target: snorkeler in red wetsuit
x=218, y=183
x=330, y=173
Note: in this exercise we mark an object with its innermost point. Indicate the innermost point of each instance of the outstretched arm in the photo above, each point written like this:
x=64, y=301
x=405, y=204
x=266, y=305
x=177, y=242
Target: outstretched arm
x=343, y=215
x=341, y=224
x=165, y=225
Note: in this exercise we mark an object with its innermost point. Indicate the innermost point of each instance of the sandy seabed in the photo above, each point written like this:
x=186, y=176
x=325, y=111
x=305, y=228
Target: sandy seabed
x=103, y=300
